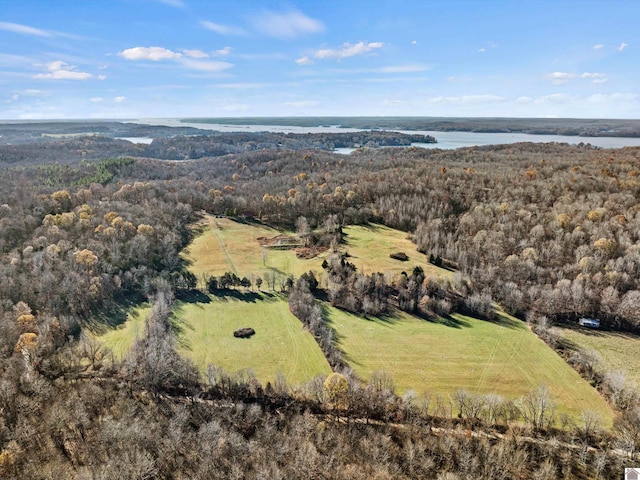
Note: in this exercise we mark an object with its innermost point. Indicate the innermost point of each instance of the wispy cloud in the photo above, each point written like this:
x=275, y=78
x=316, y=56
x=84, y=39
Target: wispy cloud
x=223, y=52
x=304, y=61
x=191, y=59
x=195, y=53
x=595, y=77
x=411, y=68
x=96, y=99
x=205, y=65
x=286, y=25
x=555, y=98
x=393, y=103
x=347, y=50
x=23, y=29
x=120, y=99
x=154, y=54
x=560, y=78
x=222, y=29
x=614, y=97
x=468, y=99
x=623, y=46
x=173, y=3
x=598, y=46
x=60, y=70
x=302, y=104
x=242, y=85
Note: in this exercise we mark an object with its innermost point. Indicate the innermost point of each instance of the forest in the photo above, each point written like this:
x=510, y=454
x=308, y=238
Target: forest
x=91, y=224
x=534, y=126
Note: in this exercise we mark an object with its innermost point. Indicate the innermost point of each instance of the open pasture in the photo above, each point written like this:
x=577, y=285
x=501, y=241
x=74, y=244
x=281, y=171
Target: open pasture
x=502, y=357
x=229, y=246
x=617, y=350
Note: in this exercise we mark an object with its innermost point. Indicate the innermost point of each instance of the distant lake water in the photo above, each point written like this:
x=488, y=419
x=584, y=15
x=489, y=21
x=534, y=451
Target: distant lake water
x=446, y=140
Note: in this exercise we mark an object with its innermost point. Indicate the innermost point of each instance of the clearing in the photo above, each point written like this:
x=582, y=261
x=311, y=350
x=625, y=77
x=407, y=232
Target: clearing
x=502, y=357
x=617, y=350
x=226, y=245
x=205, y=335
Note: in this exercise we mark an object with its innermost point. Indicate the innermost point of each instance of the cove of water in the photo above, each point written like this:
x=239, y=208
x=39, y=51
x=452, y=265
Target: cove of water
x=446, y=140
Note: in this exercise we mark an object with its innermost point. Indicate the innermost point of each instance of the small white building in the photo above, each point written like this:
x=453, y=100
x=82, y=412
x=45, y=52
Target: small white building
x=589, y=322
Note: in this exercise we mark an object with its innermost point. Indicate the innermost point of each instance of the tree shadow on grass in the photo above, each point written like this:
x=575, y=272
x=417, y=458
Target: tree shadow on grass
x=337, y=338
x=192, y=296
x=444, y=320
x=247, y=296
x=503, y=321
x=114, y=316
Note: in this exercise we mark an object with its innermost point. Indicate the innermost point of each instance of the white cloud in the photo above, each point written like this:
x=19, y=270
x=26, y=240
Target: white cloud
x=556, y=98
x=614, y=97
x=222, y=29
x=393, y=102
x=623, y=46
x=304, y=61
x=60, y=70
x=403, y=68
x=173, y=3
x=302, y=104
x=32, y=92
x=598, y=46
x=191, y=61
x=23, y=29
x=347, y=50
x=414, y=42
x=119, y=99
x=595, y=77
x=482, y=50
x=155, y=54
x=223, y=52
x=524, y=100
x=468, y=99
x=287, y=25
x=205, y=66
x=560, y=78
x=195, y=53
x=96, y=99
x=102, y=77
x=235, y=107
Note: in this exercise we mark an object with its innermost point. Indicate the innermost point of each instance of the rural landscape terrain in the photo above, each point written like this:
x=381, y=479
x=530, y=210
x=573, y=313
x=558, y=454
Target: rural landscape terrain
x=259, y=306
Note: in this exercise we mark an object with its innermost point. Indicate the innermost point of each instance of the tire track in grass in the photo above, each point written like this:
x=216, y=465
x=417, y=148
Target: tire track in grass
x=296, y=347
x=490, y=360
x=214, y=229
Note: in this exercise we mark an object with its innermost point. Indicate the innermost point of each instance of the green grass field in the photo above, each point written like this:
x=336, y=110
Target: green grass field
x=279, y=345
x=120, y=339
x=504, y=357
x=206, y=337
x=614, y=349
x=226, y=245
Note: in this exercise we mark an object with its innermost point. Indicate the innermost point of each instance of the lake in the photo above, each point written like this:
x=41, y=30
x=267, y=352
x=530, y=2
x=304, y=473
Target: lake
x=446, y=140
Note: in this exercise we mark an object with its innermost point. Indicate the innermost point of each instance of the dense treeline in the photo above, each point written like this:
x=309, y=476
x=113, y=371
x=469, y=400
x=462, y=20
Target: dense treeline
x=197, y=144
x=544, y=126
x=543, y=229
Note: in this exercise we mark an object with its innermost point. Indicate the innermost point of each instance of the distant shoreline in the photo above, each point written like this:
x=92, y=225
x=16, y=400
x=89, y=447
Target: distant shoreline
x=532, y=126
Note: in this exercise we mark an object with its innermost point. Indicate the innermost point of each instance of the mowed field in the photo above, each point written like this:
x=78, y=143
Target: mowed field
x=502, y=357
x=617, y=350
x=205, y=335
x=229, y=246
x=280, y=344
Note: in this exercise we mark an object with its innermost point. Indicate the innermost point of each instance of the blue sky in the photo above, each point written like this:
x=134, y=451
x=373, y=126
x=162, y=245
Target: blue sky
x=176, y=58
